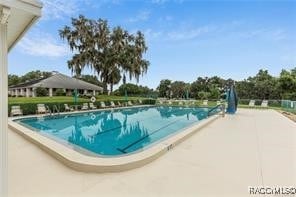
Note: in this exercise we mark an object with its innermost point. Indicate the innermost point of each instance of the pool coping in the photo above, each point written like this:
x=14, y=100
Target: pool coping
x=81, y=162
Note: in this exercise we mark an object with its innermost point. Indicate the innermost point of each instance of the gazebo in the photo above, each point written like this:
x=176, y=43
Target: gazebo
x=16, y=17
x=52, y=83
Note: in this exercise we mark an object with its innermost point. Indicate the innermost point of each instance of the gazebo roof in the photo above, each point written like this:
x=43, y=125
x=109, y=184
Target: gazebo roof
x=59, y=80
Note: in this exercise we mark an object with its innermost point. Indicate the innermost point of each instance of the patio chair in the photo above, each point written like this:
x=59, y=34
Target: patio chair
x=103, y=105
x=205, y=102
x=140, y=102
x=129, y=103
x=252, y=103
x=16, y=111
x=119, y=104
x=67, y=108
x=160, y=102
x=112, y=104
x=92, y=106
x=264, y=103
x=84, y=106
x=41, y=109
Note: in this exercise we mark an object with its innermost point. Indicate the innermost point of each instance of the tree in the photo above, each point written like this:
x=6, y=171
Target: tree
x=40, y=91
x=33, y=75
x=164, y=88
x=264, y=84
x=287, y=84
x=90, y=79
x=178, y=89
x=60, y=92
x=112, y=54
x=203, y=95
x=201, y=84
x=245, y=89
x=13, y=80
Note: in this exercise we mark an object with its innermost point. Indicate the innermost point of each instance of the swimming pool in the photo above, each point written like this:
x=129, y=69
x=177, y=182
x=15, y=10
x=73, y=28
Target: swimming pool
x=116, y=132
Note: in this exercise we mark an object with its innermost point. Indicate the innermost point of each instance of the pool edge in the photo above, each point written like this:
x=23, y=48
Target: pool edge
x=84, y=163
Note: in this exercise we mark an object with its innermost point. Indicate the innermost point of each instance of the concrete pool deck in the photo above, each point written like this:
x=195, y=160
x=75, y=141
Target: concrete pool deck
x=251, y=148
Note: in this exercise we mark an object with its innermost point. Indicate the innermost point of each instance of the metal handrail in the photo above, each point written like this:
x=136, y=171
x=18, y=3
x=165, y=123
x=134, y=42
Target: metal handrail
x=55, y=109
x=222, y=106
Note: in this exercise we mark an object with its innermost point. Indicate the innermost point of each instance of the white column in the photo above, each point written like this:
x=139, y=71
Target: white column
x=27, y=92
x=94, y=92
x=12, y=92
x=22, y=92
x=4, y=14
x=50, y=92
x=85, y=92
x=16, y=92
x=33, y=92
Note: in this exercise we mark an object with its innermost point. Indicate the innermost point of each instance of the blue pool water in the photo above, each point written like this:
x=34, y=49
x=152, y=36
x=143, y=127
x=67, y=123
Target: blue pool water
x=116, y=132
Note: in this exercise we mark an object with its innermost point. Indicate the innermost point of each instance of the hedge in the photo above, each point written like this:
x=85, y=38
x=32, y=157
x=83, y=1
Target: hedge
x=30, y=108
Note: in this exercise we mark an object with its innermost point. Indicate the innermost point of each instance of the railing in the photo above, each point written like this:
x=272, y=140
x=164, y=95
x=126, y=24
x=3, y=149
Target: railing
x=289, y=106
x=55, y=109
x=217, y=109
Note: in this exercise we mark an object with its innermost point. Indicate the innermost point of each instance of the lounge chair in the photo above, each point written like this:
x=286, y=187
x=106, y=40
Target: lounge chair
x=67, y=108
x=92, y=106
x=264, y=103
x=218, y=103
x=140, y=102
x=119, y=104
x=181, y=103
x=103, y=105
x=112, y=104
x=84, y=106
x=205, y=102
x=252, y=103
x=129, y=103
x=160, y=102
x=41, y=109
x=16, y=111
x=170, y=103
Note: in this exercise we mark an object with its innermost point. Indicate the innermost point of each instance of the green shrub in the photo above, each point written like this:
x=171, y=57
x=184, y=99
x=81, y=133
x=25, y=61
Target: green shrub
x=60, y=92
x=40, y=91
x=30, y=108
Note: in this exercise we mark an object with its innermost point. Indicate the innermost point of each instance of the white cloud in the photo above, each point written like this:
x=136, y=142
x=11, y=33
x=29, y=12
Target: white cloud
x=43, y=45
x=150, y=34
x=271, y=34
x=166, y=1
x=58, y=9
x=159, y=1
x=189, y=34
x=142, y=16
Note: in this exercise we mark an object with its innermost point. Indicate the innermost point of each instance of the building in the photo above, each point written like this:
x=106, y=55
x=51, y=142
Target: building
x=16, y=17
x=52, y=83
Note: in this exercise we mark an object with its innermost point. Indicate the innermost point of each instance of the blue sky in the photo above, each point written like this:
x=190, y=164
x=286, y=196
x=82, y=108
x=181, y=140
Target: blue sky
x=186, y=39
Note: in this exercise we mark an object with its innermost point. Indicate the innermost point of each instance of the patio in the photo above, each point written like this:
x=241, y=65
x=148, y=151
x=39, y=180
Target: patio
x=251, y=148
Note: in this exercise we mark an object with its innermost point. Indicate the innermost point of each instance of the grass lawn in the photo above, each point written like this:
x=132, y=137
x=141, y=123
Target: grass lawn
x=18, y=100
x=258, y=107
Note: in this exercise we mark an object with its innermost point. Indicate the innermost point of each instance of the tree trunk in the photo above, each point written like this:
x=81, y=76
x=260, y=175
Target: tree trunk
x=105, y=88
x=111, y=87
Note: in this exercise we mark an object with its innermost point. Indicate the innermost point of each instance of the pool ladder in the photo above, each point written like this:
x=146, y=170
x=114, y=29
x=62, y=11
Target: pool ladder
x=55, y=110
